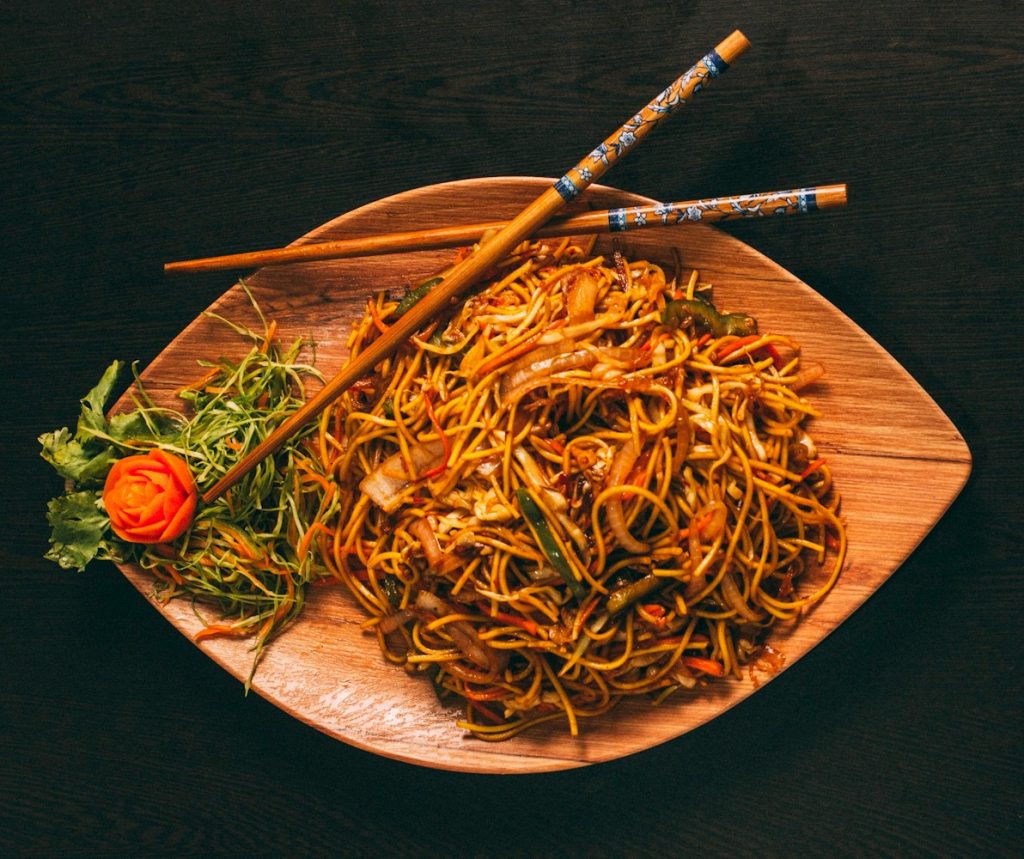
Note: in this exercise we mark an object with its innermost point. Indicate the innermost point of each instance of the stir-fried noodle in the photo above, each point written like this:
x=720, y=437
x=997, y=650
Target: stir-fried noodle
x=585, y=483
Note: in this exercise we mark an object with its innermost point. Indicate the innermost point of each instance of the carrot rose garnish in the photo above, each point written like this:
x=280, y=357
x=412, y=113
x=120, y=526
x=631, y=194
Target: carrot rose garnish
x=150, y=498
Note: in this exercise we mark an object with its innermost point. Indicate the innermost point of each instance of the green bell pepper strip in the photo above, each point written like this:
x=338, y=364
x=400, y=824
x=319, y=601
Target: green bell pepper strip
x=415, y=295
x=629, y=594
x=706, y=316
x=548, y=545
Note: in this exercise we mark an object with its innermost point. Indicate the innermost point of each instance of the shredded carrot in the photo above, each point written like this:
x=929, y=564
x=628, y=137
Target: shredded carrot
x=303, y=548
x=814, y=466
x=256, y=583
x=508, y=355
x=774, y=355
x=702, y=663
x=199, y=383
x=371, y=306
x=269, y=337
x=173, y=573
x=513, y=619
x=216, y=629
x=236, y=541
x=700, y=525
x=437, y=470
x=268, y=624
x=551, y=444
x=310, y=476
x=289, y=601
x=736, y=345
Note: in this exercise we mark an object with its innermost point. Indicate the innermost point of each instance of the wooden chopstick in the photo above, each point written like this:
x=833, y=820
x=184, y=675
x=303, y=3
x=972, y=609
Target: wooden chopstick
x=709, y=210
x=472, y=269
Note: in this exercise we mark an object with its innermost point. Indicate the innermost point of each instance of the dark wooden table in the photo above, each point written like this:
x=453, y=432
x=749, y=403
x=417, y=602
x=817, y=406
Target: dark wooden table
x=135, y=133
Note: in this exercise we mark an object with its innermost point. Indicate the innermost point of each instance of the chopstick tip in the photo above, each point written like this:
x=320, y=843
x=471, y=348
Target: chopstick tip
x=732, y=46
x=832, y=196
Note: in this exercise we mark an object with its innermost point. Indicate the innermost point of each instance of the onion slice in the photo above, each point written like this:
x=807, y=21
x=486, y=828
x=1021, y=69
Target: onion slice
x=628, y=357
x=621, y=465
x=581, y=298
x=385, y=483
x=734, y=599
x=543, y=362
x=393, y=621
x=438, y=562
x=422, y=530
x=708, y=522
x=806, y=375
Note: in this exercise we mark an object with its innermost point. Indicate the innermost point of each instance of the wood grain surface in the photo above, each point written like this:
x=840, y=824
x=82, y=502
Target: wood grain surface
x=897, y=459
x=136, y=133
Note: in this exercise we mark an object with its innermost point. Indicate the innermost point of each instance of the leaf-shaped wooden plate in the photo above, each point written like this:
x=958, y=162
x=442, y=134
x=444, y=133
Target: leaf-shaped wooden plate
x=897, y=460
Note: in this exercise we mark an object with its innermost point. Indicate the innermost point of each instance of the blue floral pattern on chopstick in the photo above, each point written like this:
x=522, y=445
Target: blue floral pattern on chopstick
x=800, y=200
x=661, y=107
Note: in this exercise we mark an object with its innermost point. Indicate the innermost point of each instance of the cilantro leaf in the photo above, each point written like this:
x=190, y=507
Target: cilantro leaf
x=74, y=460
x=79, y=525
x=84, y=458
x=93, y=417
x=136, y=426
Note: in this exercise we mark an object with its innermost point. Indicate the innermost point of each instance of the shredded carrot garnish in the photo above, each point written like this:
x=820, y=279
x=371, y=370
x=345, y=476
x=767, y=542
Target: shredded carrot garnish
x=303, y=548
x=216, y=629
x=269, y=337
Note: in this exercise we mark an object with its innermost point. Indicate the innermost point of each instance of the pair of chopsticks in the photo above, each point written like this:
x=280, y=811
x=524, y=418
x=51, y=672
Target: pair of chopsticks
x=707, y=211
x=531, y=221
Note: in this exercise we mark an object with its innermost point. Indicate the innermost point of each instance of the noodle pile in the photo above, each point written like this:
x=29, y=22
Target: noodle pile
x=584, y=483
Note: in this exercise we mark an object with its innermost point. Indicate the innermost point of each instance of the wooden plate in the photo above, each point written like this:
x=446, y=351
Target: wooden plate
x=897, y=460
